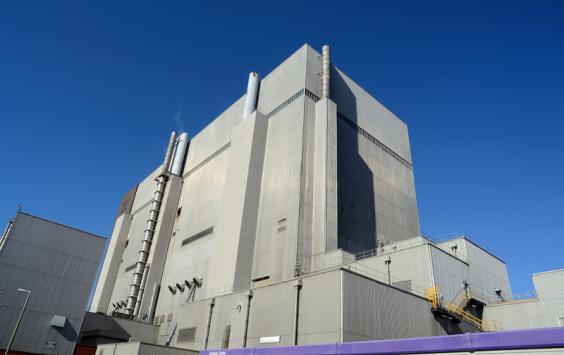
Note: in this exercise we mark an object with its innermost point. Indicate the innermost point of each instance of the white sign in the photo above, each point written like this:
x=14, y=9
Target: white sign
x=271, y=339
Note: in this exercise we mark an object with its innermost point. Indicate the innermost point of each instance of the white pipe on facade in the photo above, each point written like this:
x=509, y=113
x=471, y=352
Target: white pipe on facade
x=252, y=93
x=326, y=71
x=150, y=230
x=179, y=154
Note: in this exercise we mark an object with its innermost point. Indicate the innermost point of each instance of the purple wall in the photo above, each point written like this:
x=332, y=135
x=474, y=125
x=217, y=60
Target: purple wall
x=514, y=339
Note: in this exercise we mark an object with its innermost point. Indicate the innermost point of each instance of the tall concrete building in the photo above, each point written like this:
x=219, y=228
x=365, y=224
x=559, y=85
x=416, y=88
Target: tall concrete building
x=303, y=175
x=56, y=265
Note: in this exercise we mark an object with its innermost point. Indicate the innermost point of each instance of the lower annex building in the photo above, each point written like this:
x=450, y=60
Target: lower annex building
x=290, y=219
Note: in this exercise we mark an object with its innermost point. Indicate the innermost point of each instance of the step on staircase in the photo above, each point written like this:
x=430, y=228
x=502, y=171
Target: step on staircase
x=467, y=322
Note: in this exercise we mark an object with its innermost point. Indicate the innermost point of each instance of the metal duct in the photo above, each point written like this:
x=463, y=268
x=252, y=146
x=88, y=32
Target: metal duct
x=326, y=70
x=141, y=289
x=252, y=93
x=179, y=154
x=150, y=229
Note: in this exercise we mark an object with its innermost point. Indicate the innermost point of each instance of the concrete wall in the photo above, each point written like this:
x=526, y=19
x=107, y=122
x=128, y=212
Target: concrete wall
x=58, y=264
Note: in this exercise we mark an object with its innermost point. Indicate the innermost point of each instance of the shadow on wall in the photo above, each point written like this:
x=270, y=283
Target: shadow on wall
x=355, y=186
x=68, y=331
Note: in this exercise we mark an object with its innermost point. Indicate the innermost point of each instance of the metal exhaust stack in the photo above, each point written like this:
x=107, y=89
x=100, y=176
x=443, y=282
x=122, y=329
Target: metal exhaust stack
x=252, y=93
x=150, y=229
x=326, y=71
x=179, y=154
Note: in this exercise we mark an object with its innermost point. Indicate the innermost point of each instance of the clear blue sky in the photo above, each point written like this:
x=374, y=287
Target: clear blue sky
x=89, y=92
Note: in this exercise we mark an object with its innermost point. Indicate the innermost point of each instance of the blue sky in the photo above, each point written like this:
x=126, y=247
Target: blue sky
x=89, y=92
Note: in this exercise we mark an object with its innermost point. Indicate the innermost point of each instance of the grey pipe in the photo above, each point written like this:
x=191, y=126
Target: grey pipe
x=150, y=229
x=325, y=71
x=247, y=313
x=298, y=286
x=142, y=289
x=212, y=303
x=154, y=300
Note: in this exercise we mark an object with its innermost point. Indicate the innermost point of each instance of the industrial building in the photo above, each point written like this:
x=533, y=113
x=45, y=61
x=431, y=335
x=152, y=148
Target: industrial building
x=291, y=219
x=543, y=309
x=46, y=276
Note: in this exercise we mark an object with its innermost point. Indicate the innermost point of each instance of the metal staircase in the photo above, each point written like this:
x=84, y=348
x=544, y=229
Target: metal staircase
x=467, y=322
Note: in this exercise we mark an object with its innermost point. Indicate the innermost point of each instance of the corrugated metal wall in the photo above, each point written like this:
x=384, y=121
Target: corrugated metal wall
x=58, y=264
x=449, y=272
x=372, y=310
x=376, y=187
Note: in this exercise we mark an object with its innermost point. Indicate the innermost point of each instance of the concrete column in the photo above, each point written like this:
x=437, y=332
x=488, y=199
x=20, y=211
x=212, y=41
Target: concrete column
x=325, y=211
x=236, y=228
x=106, y=280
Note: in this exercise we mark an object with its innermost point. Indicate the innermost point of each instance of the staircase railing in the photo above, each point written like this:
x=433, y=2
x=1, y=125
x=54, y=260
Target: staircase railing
x=437, y=303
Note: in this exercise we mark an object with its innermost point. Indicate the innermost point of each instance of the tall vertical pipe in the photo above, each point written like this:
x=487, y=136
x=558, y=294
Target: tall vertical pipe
x=252, y=93
x=141, y=289
x=179, y=154
x=247, y=313
x=298, y=286
x=212, y=303
x=150, y=229
x=326, y=71
x=154, y=300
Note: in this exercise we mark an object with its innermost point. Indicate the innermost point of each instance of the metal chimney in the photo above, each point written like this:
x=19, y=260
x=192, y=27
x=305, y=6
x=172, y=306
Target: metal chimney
x=252, y=93
x=326, y=71
x=179, y=154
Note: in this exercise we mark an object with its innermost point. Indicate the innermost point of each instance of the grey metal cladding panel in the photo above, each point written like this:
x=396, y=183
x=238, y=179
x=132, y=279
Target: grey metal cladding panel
x=549, y=284
x=520, y=315
x=57, y=264
x=280, y=194
x=306, y=188
x=486, y=273
x=283, y=82
x=148, y=349
x=375, y=311
x=200, y=200
x=145, y=190
x=313, y=71
x=229, y=310
x=449, y=273
x=320, y=309
x=359, y=106
x=272, y=302
x=214, y=136
x=376, y=194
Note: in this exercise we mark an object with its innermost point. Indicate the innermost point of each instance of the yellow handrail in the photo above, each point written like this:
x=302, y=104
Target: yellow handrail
x=432, y=295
